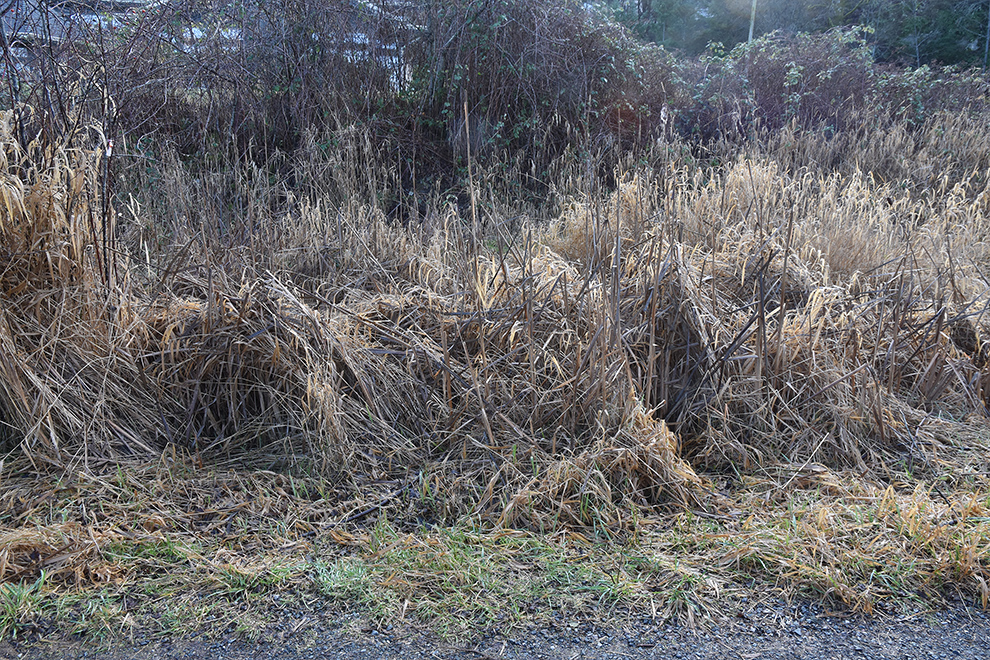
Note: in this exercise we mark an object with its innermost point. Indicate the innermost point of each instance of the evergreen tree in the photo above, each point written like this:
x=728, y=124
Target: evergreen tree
x=913, y=32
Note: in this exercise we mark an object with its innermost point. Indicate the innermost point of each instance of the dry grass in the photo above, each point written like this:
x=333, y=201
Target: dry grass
x=161, y=548
x=795, y=355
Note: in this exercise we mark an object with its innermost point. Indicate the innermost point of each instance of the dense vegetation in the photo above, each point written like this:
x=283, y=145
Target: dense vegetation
x=912, y=32
x=494, y=263
x=539, y=80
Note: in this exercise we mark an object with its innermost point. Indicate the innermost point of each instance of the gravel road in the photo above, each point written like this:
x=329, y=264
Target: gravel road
x=768, y=632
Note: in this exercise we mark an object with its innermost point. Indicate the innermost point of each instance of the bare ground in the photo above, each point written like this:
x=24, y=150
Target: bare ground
x=775, y=630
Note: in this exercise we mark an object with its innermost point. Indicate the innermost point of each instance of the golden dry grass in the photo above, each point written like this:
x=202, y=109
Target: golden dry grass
x=724, y=340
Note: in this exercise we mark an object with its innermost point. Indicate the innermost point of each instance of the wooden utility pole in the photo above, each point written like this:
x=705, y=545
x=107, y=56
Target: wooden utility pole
x=752, y=20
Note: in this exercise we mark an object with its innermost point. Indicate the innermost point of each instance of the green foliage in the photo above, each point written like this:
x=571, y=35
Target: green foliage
x=918, y=32
x=241, y=582
x=19, y=605
x=462, y=577
x=906, y=31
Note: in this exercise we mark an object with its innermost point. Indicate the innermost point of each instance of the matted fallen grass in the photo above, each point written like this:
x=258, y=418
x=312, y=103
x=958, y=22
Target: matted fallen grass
x=709, y=381
x=168, y=548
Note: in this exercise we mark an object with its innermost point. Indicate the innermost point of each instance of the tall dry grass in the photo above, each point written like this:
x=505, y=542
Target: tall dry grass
x=699, y=319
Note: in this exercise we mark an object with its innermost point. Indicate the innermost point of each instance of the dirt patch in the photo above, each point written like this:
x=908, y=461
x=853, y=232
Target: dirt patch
x=759, y=630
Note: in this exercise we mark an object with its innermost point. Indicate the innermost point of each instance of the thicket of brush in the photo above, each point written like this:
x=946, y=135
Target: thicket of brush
x=544, y=272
